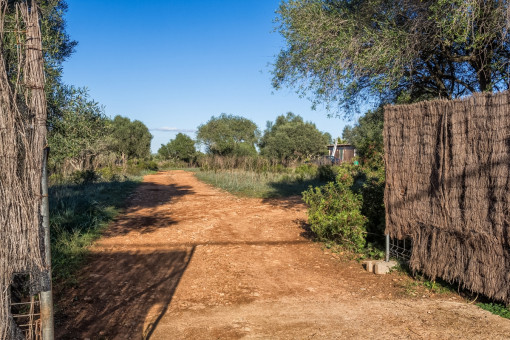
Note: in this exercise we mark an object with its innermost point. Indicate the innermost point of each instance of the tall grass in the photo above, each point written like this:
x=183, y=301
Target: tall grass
x=78, y=215
x=260, y=184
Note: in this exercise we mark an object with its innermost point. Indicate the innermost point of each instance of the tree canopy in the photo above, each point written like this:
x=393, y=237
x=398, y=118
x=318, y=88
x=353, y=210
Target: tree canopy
x=131, y=138
x=182, y=148
x=79, y=133
x=367, y=135
x=397, y=51
x=290, y=138
x=229, y=135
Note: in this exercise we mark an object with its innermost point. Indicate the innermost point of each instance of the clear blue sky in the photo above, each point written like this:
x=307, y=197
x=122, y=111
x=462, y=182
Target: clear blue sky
x=174, y=64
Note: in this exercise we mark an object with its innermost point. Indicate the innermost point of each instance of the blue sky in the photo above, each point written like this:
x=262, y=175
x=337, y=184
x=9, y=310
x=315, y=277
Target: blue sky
x=174, y=64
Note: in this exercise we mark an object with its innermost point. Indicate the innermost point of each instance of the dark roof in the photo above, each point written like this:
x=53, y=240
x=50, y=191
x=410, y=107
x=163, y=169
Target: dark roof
x=332, y=145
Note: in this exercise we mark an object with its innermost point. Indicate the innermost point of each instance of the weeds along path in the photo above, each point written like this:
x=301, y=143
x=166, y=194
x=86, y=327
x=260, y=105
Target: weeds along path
x=188, y=261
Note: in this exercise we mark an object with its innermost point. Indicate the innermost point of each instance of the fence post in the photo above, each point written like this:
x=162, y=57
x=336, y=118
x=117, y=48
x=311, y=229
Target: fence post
x=46, y=296
x=387, y=247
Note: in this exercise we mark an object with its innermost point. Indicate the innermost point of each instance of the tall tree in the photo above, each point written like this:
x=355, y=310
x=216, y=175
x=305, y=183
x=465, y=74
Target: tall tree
x=181, y=148
x=290, y=138
x=228, y=135
x=131, y=139
x=400, y=51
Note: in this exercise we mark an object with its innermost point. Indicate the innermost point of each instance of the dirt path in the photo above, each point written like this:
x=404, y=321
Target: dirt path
x=188, y=261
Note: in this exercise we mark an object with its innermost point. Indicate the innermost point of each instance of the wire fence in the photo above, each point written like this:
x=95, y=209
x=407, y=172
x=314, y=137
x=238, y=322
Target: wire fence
x=400, y=249
x=27, y=316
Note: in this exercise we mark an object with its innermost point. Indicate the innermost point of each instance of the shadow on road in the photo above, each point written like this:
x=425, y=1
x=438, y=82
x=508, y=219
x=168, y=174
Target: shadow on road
x=141, y=215
x=123, y=295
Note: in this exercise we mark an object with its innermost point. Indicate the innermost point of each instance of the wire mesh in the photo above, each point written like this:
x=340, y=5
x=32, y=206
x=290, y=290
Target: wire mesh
x=400, y=249
x=27, y=316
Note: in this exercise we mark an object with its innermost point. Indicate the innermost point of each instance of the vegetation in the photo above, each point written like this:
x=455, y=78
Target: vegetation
x=131, y=139
x=392, y=52
x=78, y=215
x=335, y=212
x=182, y=148
x=77, y=137
x=290, y=138
x=228, y=135
x=263, y=184
x=496, y=308
x=367, y=136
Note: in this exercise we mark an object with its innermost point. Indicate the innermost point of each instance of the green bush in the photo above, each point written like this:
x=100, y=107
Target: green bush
x=326, y=173
x=335, y=212
x=371, y=182
x=84, y=177
x=138, y=167
x=496, y=308
x=306, y=170
x=110, y=173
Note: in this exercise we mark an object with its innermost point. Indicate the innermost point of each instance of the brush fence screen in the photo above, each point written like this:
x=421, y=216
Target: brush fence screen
x=448, y=188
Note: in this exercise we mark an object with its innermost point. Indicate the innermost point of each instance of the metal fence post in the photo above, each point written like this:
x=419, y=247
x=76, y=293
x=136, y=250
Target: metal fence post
x=46, y=296
x=387, y=248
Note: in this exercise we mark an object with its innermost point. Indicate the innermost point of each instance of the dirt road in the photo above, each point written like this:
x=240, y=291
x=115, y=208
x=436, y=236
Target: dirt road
x=188, y=261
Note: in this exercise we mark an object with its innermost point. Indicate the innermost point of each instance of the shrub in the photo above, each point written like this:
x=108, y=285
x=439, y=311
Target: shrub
x=335, y=212
x=326, y=173
x=306, y=170
x=137, y=167
x=371, y=182
x=110, y=173
x=84, y=177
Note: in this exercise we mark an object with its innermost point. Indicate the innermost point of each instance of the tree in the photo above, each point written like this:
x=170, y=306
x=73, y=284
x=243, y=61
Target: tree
x=57, y=47
x=290, y=138
x=131, y=139
x=79, y=134
x=181, y=148
x=229, y=135
x=367, y=135
x=399, y=51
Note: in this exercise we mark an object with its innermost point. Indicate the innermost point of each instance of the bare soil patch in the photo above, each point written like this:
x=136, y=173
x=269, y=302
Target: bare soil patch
x=189, y=261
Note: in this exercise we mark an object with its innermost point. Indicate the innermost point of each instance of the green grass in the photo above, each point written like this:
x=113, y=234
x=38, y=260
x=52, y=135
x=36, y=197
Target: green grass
x=258, y=184
x=78, y=215
x=496, y=308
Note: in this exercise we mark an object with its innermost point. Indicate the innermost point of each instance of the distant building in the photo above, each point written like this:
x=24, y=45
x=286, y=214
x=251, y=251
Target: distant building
x=343, y=153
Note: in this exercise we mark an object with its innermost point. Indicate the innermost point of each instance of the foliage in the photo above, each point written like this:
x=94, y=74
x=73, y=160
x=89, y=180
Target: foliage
x=228, y=135
x=181, y=148
x=367, y=136
x=290, y=138
x=77, y=135
x=370, y=182
x=57, y=47
x=136, y=167
x=327, y=172
x=262, y=184
x=335, y=212
x=395, y=51
x=131, y=139
x=496, y=308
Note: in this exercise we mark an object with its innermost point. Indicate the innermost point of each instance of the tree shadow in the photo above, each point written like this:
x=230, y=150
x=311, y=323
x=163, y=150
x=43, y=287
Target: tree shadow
x=307, y=232
x=150, y=195
x=141, y=214
x=121, y=295
x=291, y=187
x=294, y=202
